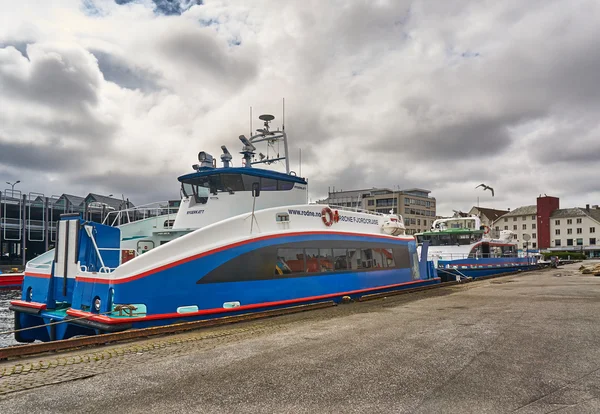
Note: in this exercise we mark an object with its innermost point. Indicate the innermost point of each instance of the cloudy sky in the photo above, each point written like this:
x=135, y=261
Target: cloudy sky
x=118, y=96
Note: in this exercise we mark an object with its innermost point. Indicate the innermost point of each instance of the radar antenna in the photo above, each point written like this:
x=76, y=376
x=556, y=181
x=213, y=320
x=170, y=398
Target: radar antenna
x=265, y=134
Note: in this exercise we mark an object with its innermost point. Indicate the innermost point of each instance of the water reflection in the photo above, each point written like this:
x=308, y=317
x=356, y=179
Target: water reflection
x=6, y=316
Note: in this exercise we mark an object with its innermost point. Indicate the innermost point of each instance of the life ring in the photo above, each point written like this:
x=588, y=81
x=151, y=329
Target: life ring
x=327, y=216
x=486, y=229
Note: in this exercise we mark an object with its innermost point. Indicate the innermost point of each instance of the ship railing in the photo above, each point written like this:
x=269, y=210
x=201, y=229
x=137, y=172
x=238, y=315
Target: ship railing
x=360, y=210
x=152, y=210
x=106, y=269
x=457, y=256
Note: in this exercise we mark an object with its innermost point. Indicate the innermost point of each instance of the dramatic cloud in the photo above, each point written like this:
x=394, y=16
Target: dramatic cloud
x=118, y=96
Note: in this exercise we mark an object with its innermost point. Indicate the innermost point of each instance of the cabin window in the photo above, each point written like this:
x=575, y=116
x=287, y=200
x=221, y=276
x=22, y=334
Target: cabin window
x=187, y=189
x=326, y=260
x=168, y=224
x=354, y=255
x=312, y=260
x=232, y=182
x=284, y=185
x=340, y=259
x=248, y=180
x=367, y=258
x=292, y=261
x=289, y=261
x=268, y=184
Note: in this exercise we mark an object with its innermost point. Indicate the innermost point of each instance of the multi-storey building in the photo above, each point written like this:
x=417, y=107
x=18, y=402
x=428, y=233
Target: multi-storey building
x=576, y=229
x=352, y=198
x=552, y=228
x=521, y=221
x=415, y=205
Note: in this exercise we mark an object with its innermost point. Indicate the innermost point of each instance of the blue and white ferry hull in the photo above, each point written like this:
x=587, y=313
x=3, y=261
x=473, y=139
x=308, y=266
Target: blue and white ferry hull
x=276, y=258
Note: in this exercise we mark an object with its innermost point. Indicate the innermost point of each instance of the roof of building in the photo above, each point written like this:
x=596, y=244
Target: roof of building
x=72, y=199
x=594, y=213
x=410, y=190
x=115, y=203
x=491, y=213
x=522, y=211
x=356, y=193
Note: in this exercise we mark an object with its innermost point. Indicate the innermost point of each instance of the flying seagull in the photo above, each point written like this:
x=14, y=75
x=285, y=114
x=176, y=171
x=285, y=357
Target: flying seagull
x=486, y=187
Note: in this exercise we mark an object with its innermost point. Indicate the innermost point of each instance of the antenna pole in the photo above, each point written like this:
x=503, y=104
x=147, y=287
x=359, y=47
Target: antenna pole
x=283, y=116
x=250, y=122
x=300, y=169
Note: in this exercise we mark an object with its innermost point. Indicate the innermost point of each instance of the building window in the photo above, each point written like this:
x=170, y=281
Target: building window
x=533, y=217
x=505, y=227
x=424, y=222
x=371, y=202
x=557, y=222
x=534, y=245
x=419, y=222
x=569, y=221
x=579, y=242
x=505, y=219
x=514, y=219
x=524, y=226
x=569, y=242
x=557, y=242
x=533, y=226
x=592, y=229
x=579, y=230
x=592, y=241
x=497, y=228
x=515, y=236
x=533, y=235
x=569, y=231
x=579, y=221
x=557, y=232
x=515, y=227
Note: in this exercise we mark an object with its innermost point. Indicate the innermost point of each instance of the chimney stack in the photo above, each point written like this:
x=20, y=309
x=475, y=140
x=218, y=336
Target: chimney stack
x=587, y=207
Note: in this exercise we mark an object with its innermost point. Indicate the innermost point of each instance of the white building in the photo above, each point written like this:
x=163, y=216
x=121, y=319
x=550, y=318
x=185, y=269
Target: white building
x=576, y=229
x=520, y=221
x=571, y=229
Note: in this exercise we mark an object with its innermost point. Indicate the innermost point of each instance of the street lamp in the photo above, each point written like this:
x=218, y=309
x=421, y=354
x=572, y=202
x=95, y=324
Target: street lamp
x=12, y=187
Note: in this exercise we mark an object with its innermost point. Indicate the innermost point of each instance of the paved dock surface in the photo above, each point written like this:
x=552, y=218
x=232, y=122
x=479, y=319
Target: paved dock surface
x=524, y=344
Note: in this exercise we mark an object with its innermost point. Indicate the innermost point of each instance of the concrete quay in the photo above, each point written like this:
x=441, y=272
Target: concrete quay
x=526, y=343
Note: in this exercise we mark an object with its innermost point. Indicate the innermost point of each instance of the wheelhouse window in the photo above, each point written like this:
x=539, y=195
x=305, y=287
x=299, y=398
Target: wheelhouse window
x=201, y=187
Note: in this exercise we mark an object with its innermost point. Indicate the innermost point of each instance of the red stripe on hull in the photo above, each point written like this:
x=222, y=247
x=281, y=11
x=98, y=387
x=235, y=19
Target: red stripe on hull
x=41, y=275
x=229, y=246
x=9, y=279
x=109, y=320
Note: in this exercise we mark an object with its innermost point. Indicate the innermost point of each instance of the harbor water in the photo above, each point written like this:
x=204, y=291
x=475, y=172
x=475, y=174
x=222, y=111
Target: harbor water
x=6, y=316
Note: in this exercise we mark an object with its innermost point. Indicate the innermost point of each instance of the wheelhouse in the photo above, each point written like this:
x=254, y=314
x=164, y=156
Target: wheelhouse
x=211, y=181
x=451, y=238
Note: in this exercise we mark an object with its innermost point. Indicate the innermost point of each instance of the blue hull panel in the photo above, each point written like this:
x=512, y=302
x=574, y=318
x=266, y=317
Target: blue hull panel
x=449, y=269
